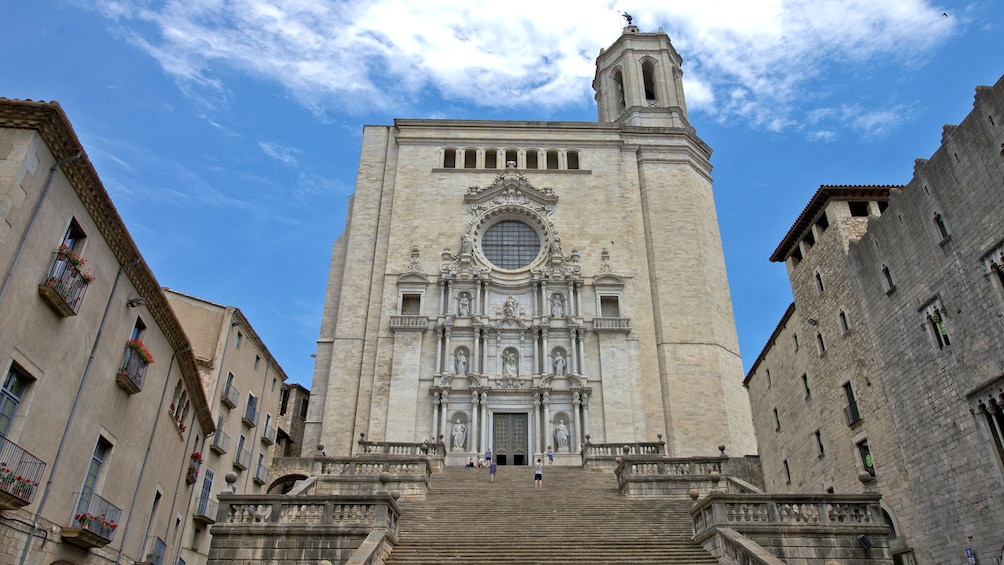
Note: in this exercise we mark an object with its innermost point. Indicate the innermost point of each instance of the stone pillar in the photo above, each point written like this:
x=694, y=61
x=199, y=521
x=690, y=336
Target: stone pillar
x=448, y=351
x=573, y=365
x=484, y=420
x=572, y=302
x=444, y=409
x=475, y=359
x=548, y=433
x=449, y=297
x=439, y=349
x=580, y=349
x=585, y=414
x=472, y=433
x=542, y=309
x=534, y=426
x=442, y=297
x=577, y=429
x=547, y=352
x=435, y=416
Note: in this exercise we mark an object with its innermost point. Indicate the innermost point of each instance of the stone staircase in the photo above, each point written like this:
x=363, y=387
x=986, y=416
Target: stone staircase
x=577, y=517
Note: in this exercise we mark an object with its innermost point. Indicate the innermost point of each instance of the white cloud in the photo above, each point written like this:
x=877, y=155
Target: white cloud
x=279, y=152
x=751, y=59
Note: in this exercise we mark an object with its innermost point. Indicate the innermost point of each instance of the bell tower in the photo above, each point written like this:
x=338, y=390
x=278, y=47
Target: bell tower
x=638, y=81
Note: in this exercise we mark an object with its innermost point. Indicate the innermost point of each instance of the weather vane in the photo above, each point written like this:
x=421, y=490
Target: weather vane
x=627, y=17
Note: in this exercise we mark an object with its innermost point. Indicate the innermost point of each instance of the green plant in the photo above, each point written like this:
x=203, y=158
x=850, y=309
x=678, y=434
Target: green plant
x=139, y=349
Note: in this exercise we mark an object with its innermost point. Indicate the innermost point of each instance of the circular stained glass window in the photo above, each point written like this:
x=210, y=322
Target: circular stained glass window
x=510, y=245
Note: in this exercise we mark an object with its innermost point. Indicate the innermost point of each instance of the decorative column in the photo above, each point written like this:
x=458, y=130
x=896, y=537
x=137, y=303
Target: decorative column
x=475, y=360
x=534, y=425
x=573, y=365
x=585, y=414
x=576, y=402
x=578, y=298
x=439, y=349
x=448, y=353
x=444, y=408
x=580, y=350
x=547, y=352
x=449, y=297
x=473, y=432
x=484, y=420
x=542, y=310
x=442, y=297
x=573, y=300
x=435, y=416
x=548, y=434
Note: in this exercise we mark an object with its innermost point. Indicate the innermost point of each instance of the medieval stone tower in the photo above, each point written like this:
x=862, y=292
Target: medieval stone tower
x=515, y=285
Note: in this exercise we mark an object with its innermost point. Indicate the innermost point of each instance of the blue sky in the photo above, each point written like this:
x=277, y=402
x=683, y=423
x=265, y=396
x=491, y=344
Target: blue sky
x=227, y=131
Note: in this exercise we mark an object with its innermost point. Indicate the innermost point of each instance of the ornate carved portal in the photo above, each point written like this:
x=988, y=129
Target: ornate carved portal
x=510, y=327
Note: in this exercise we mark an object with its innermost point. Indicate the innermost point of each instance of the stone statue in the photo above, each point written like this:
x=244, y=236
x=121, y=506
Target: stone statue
x=559, y=363
x=561, y=435
x=557, y=306
x=509, y=367
x=461, y=362
x=466, y=243
x=464, y=309
x=509, y=308
x=556, y=246
x=459, y=435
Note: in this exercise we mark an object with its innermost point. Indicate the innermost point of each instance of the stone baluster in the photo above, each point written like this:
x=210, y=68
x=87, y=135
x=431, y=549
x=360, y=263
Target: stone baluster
x=577, y=429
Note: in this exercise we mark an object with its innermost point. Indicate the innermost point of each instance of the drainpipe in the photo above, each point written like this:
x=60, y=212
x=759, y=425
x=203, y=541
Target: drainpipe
x=73, y=412
x=31, y=222
x=146, y=457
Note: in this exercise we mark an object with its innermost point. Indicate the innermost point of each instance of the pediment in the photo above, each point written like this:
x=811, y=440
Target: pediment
x=414, y=278
x=608, y=281
x=510, y=187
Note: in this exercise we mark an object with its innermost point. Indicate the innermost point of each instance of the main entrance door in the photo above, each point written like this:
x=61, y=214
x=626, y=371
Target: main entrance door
x=510, y=439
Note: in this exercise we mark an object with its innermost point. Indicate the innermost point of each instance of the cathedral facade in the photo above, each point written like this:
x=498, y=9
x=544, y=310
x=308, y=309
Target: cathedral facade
x=518, y=285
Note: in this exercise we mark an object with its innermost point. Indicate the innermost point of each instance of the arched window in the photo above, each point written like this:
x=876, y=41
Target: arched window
x=531, y=159
x=450, y=159
x=470, y=158
x=511, y=156
x=491, y=159
x=552, y=159
x=572, y=159
x=619, y=90
x=648, y=76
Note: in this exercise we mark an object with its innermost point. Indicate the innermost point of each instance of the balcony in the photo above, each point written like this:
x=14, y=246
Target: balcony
x=133, y=372
x=261, y=474
x=409, y=323
x=221, y=442
x=205, y=512
x=230, y=396
x=243, y=459
x=20, y=472
x=250, y=417
x=268, y=436
x=95, y=525
x=64, y=286
x=622, y=325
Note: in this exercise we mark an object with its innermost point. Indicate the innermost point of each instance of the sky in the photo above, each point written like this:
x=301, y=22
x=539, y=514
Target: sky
x=227, y=131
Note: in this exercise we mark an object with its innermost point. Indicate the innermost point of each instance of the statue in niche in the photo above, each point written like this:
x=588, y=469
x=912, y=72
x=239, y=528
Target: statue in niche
x=466, y=244
x=461, y=362
x=509, y=364
x=557, y=305
x=559, y=363
x=509, y=308
x=464, y=307
x=561, y=435
x=459, y=435
x=556, y=246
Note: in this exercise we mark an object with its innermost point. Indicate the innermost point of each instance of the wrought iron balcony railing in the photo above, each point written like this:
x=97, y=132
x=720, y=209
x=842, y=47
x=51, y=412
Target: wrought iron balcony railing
x=261, y=474
x=96, y=516
x=64, y=287
x=133, y=372
x=268, y=436
x=221, y=442
x=230, y=396
x=20, y=473
x=243, y=459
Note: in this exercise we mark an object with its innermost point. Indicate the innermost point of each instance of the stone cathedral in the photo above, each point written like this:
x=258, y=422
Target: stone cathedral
x=515, y=285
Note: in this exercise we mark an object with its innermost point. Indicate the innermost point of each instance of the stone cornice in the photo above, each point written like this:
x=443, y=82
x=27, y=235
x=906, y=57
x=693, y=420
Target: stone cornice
x=52, y=125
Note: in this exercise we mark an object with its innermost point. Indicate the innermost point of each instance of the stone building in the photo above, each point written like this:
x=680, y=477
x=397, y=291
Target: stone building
x=243, y=383
x=101, y=407
x=293, y=403
x=889, y=362
x=514, y=284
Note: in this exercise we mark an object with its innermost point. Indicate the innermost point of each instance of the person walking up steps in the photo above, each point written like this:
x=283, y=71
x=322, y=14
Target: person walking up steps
x=538, y=474
x=492, y=469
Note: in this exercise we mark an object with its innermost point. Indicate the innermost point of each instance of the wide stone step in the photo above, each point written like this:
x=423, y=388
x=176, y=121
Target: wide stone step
x=578, y=517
